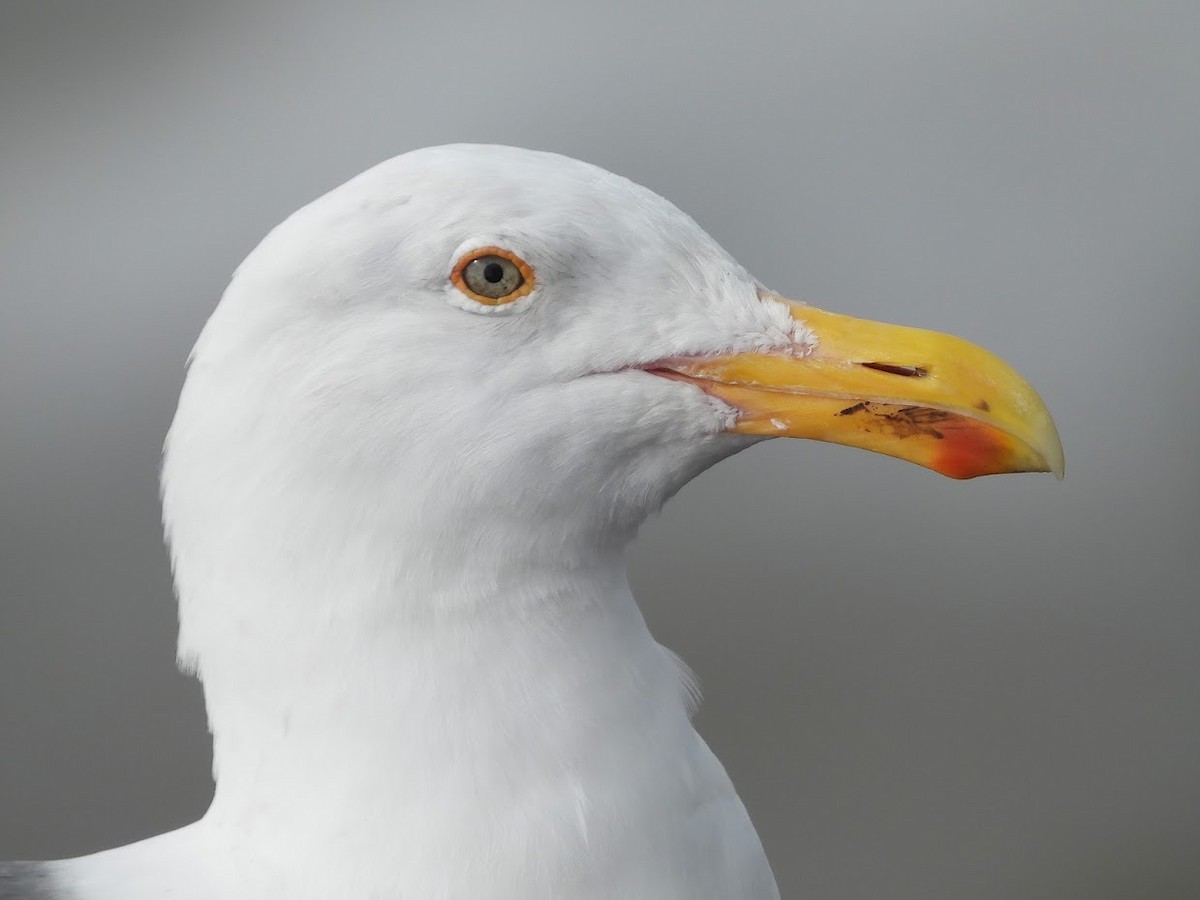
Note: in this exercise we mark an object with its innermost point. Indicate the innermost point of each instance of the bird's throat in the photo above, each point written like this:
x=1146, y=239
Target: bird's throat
x=529, y=691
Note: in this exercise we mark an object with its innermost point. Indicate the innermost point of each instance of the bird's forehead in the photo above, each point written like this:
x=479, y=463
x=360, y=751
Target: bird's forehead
x=463, y=190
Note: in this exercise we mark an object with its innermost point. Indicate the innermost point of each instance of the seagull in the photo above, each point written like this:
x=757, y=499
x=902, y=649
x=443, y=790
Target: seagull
x=415, y=439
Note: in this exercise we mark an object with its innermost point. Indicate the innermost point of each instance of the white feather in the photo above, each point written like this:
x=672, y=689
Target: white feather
x=398, y=521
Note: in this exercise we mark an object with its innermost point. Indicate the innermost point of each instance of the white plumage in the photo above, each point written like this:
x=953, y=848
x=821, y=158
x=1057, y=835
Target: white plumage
x=398, y=519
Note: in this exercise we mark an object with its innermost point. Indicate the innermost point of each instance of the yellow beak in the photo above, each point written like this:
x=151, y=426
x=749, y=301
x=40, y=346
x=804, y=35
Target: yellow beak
x=932, y=399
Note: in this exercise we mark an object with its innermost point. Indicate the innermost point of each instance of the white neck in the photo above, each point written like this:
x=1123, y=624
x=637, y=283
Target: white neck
x=530, y=668
x=377, y=692
x=471, y=733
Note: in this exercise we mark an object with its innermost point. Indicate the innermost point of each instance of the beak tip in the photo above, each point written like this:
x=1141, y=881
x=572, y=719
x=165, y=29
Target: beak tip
x=1055, y=459
x=1059, y=468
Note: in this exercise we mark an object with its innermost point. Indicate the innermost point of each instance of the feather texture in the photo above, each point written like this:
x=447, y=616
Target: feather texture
x=397, y=521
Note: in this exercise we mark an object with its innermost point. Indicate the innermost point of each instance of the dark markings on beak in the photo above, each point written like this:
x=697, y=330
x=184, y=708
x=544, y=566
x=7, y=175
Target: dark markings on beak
x=891, y=369
x=902, y=421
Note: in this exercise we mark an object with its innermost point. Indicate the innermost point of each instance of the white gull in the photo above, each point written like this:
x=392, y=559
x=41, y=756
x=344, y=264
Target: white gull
x=415, y=439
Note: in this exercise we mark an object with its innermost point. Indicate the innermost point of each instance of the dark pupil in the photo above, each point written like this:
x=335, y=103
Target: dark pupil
x=493, y=272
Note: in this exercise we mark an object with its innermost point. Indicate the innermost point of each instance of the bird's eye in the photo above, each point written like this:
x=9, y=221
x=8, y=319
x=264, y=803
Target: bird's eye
x=493, y=276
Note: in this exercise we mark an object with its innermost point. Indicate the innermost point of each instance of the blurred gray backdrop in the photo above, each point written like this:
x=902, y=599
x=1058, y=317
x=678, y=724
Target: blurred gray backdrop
x=923, y=689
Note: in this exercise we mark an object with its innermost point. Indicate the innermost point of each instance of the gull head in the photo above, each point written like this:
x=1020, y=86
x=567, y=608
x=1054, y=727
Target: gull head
x=519, y=356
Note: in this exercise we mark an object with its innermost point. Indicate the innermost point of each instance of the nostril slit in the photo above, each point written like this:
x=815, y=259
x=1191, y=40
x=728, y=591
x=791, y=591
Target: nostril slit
x=891, y=369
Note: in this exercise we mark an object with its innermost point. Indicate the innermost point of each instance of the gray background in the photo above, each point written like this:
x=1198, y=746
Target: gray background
x=922, y=688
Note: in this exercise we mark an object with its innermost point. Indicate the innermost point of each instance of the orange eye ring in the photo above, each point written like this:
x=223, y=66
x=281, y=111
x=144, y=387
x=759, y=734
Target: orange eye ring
x=512, y=275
